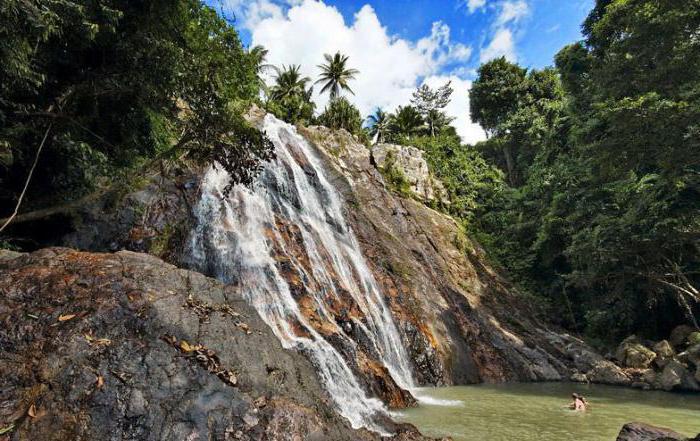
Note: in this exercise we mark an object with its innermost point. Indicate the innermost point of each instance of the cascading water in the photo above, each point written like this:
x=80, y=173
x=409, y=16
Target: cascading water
x=292, y=223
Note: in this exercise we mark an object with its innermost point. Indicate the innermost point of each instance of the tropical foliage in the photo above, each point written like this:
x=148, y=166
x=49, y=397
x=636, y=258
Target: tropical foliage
x=89, y=78
x=341, y=114
x=602, y=215
x=335, y=75
x=289, y=98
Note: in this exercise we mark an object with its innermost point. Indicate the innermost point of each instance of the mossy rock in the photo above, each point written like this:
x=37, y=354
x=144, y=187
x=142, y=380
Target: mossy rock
x=693, y=338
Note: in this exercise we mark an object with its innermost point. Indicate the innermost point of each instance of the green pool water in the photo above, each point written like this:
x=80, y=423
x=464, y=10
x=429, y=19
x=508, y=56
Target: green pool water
x=529, y=412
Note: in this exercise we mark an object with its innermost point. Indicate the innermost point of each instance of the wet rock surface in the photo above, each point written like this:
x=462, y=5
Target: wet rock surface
x=461, y=321
x=124, y=346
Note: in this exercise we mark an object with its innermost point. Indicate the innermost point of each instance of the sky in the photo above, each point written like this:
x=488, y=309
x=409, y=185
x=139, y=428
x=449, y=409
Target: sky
x=397, y=45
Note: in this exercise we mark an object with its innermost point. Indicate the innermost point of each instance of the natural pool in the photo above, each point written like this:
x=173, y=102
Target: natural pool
x=536, y=411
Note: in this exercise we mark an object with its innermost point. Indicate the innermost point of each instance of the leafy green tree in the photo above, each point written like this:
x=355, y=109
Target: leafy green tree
x=471, y=184
x=341, y=114
x=431, y=103
x=89, y=77
x=603, y=214
x=496, y=93
x=335, y=75
x=519, y=109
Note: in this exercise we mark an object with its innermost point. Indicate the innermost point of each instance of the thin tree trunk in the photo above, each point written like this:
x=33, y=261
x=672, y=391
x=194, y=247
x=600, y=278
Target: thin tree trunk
x=509, y=165
x=29, y=178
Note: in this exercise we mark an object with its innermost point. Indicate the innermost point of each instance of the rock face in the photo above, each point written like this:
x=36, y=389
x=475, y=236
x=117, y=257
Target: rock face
x=646, y=432
x=676, y=376
x=410, y=162
x=461, y=322
x=633, y=354
x=664, y=353
x=124, y=346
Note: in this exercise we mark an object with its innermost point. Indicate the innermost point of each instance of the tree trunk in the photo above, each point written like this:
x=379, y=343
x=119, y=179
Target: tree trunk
x=510, y=166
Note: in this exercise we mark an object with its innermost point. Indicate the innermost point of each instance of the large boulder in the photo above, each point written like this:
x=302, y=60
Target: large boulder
x=691, y=355
x=124, y=346
x=664, y=353
x=647, y=432
x=633, y=354
x=676, y=376
x=410, y=162
x=607, y=372
x=679, y=335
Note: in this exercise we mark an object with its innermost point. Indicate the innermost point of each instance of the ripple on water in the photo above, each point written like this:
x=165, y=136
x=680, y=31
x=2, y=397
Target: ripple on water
x=538, y=412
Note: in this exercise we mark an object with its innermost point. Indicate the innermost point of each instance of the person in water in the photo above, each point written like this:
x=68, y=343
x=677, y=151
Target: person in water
x=579, y=403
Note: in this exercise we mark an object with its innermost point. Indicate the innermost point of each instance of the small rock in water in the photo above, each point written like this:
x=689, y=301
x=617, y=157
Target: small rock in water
x=579, y=378
x=647, y=432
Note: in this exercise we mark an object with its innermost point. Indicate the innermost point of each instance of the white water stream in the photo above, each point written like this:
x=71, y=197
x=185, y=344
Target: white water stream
x=244, y=239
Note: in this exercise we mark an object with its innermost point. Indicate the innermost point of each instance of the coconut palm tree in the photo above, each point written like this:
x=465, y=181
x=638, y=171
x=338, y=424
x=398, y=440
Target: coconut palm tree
x=335, y=75
x=378, y=125
x=407, y=121
x=259, y=56
x=288, y=82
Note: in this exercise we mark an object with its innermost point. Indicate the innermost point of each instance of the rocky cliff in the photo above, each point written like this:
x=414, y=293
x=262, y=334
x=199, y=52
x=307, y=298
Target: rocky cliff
x=124, y=346
x=462, y=322
x=457, y=320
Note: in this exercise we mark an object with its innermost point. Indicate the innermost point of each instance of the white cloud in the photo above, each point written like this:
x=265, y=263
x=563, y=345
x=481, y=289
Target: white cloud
x=512, y=11
x=473, y=5
x=502, y=45
x=506, y=28
x=390, y=67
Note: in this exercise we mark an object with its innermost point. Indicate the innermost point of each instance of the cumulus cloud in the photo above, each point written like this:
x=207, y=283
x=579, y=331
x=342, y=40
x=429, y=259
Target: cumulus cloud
x=505, y=29
x=502, y=45
x=301, y=31
x=512, y=12
x=473, y=5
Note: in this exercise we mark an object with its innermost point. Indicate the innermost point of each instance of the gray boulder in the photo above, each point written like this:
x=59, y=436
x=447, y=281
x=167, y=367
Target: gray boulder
x=679, y=335
x=664, y=353
x=633, y=354
x=607, y=372
x=647, y=432
x=676, y=376
x=124, y=346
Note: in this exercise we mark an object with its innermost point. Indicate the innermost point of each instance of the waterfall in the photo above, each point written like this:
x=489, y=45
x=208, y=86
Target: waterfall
x=291, y=226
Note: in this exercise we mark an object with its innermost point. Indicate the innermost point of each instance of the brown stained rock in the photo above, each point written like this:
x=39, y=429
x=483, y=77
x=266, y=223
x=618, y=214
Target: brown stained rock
x=61, y=380
x=647, y=432
x=461, y=321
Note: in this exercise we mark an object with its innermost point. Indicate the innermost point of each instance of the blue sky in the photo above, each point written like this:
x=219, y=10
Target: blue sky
x=399, y=44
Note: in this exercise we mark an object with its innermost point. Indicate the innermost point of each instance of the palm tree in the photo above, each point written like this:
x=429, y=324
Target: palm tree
x=407, y=121
x=259, y=56
x=335, y=75
x=378, y=125
x=288, y=82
